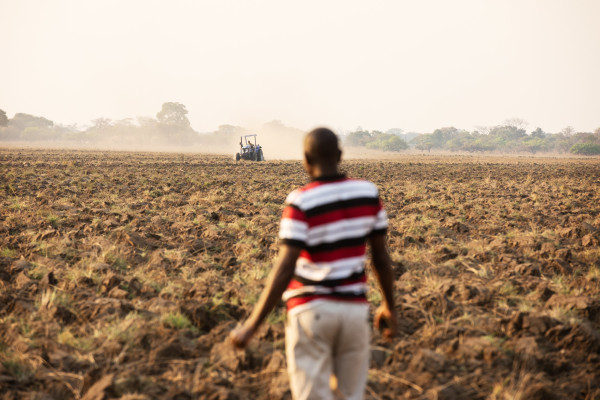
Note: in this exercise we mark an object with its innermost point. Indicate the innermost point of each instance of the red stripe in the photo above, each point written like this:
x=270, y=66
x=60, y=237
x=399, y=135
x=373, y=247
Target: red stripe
x=294, y=284
x=315, y=184
x=293, y=213
x=344, y=213
x=291, y=303
x=335, y=255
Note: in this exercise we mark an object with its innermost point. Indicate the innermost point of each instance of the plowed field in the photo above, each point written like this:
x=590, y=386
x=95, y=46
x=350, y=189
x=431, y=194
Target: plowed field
x=121, y=275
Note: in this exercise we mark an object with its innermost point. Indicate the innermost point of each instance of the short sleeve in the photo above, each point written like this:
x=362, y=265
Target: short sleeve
x=381, y=220
x=293, y=229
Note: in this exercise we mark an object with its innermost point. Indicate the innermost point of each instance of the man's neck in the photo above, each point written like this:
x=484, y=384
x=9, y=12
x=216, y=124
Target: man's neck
x=325, y=172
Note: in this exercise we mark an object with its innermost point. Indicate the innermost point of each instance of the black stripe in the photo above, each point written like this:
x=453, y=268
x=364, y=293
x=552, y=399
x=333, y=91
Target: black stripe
x=329, y=178
x=340, y=205
x=293, y=242
x=341, y=295
x=356, y=276
x=340, y=244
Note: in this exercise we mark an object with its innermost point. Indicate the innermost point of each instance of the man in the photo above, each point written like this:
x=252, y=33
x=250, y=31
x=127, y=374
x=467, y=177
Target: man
x=320, y=272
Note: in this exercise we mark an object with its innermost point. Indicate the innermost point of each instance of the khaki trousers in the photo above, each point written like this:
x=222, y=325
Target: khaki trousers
x=324, y=338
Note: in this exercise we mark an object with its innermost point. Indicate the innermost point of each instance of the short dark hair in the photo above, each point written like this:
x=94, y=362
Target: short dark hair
x=321, y=145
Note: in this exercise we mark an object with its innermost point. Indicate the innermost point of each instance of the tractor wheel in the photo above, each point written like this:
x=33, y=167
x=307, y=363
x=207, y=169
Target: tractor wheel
x=260, y=156
x=255, y=156
x=237, y=157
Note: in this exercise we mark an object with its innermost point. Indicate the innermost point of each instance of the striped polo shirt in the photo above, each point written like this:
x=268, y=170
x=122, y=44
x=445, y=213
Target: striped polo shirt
x=331, y=219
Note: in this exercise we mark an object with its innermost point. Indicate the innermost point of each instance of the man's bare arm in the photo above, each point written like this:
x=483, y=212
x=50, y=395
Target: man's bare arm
x=385, y=276
x=278, y=280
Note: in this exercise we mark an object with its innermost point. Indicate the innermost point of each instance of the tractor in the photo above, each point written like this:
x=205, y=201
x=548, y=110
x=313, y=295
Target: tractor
x=249, y=150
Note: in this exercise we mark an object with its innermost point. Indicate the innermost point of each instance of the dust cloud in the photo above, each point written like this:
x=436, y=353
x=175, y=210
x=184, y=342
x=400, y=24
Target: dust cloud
x=278, y=141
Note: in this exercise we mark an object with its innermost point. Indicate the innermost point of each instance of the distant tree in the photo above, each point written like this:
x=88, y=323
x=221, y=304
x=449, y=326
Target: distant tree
x=101, y=123
x=29, y=127
x=424, y=142
x=483, y=130
x=3, y=118
x=533, y=144
x=173, y=114
x=507, y=137
x=442, y=135
x=394, y=143
x=562, y=143
x=538, y=133
x=386, y=142
x=174, y=125
x=480, y=143
x=508, y=132
x=395, y=131
x=358, y=138
x=230, y=130
x=460, y=141
x=146, y=122
x=588, y=149
x=518, y=123
x=568, y=131
x=22, y=121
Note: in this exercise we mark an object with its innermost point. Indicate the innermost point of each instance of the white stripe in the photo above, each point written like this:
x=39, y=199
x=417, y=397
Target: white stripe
x=338, y=269
x=342, y=229
x=356, y=288
x=291, y=198
x=381, y=220
x=293, y=229
x=360, y=287
x=332, y=197
x=331, y=192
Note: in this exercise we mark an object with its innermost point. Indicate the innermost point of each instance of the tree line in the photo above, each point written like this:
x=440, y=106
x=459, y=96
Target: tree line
x=172, y=127
x=510, y=137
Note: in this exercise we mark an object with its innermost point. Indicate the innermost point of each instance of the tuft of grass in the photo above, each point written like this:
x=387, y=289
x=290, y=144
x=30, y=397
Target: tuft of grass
x=177, y=320
x=37, y=271
x=508, y=289
x=561, y=285
x=593, y=274
x=17, y=204
x=515, y=386
x=566, y=316
x=6, y=252
x=154, y=193
x=66, y=337
x=49, y=298
x=123, y=330
x=115, y=260
x=276, y=317
x=54, y=220
x=19, y=369
x=374, y=296
x=172, y=289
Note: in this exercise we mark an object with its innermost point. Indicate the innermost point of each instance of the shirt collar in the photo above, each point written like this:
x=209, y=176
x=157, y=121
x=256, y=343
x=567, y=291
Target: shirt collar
x=329, y=178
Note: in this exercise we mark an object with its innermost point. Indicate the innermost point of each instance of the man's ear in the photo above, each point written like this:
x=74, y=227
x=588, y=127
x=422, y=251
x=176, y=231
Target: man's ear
x=307, y=159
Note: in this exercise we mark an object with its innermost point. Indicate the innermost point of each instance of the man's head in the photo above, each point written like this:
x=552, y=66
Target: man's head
x=321, y=152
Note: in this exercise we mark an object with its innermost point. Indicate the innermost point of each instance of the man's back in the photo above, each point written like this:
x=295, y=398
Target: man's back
x=331, y=218
x=320, y=271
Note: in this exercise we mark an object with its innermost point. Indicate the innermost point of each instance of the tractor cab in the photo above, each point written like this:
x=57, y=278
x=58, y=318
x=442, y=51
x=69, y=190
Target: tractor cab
x=249, y=149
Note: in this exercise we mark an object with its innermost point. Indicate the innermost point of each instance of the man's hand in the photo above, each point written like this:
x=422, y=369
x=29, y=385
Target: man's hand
x=386, y=321
x=241, y=336
x=385, y=317
x=279, y=278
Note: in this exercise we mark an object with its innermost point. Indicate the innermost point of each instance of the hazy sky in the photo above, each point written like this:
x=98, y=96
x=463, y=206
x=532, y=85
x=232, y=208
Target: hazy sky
x=415, y=65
